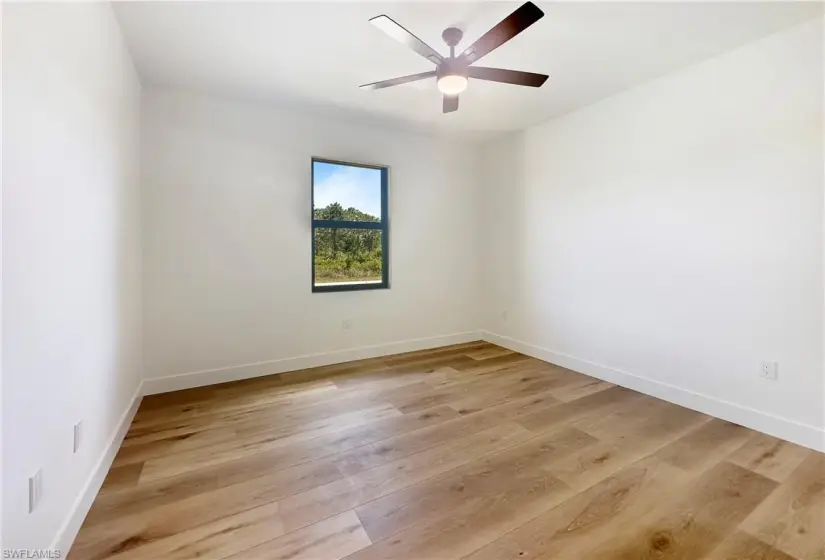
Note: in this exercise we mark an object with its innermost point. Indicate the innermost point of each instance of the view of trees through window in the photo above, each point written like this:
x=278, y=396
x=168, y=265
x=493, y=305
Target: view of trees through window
x=344, y=254
x=342, y=193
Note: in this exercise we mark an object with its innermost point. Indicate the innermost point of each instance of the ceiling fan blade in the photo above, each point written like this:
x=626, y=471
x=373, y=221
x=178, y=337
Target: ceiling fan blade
x=515, y=77
x=506, y=29
x=450, y=103
x=398, y=81
x=394, y=30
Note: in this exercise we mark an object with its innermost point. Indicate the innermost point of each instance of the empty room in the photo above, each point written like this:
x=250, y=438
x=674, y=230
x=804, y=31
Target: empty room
x=413, y=280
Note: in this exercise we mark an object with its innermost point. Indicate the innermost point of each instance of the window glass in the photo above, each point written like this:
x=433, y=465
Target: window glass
x=348, y=256
x=346, y=192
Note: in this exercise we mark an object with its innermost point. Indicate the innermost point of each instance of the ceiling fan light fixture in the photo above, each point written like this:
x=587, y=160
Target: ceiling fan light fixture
x=452, y=72
x=452, y=84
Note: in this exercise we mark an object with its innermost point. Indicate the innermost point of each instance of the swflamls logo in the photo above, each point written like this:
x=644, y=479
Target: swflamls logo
x=31, y=553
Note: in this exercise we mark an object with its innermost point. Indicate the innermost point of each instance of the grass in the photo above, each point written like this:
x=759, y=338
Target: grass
x=341, y=276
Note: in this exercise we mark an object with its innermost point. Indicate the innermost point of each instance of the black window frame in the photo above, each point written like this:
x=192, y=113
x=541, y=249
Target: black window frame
x=382, y=226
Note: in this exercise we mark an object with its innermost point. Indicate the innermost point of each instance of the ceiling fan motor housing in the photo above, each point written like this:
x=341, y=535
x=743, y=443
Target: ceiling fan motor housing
x=452, y=67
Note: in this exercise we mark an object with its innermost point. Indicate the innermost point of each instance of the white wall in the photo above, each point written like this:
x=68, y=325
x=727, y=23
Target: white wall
x=227, y=239
x=671, y=237
x=71, y=250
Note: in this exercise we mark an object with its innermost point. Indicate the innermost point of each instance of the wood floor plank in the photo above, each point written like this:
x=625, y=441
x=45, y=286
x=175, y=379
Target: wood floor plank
x=248, y=477
x=741, y=546
x=275, y=439
x=705, y=446
x=485, y=353
x=227, y=402
x=382, y=381
x=134, y=451
x=530, y=382
x=485, y=370
x=247, y=422
x=620, y=419
x=264, y=415
x=332, y=539
x=581, y=389
x=438, y=497
x=477, y=521
x=120, y=533
x=512, y=409
x=498, y=361
x=611, y=506
x=453, y=350
x=769, y=456
x=598, y=403
x=121, y=478
x=289, y=411
x=175, y=433
x=516, y=386
x=218, y=539
x=693, y=524
x=645, y=435
x=452, y=430
x=468, y=451
x=792, y=519
x=326, y=500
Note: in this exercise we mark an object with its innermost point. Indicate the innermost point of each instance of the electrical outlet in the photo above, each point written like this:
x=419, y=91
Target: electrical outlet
x=504, y=315
x=770, y=370
x=35, y=489
x=346, y=324
x=76, y=436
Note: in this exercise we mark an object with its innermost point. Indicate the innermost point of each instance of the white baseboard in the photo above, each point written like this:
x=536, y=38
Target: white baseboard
x=246, y=371
x=790, y=430
x=67, y=533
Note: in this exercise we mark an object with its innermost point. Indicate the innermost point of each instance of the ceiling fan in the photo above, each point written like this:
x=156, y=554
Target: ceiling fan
x=452, y=72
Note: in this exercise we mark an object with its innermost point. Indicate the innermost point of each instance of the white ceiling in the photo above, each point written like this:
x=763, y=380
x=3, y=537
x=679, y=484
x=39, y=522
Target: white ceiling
x=317, y=54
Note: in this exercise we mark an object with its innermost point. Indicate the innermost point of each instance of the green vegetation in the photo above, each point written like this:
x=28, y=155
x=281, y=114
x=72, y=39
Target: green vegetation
x=346, y=255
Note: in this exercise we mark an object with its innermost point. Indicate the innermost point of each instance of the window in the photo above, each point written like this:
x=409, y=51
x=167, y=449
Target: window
x=349, y=226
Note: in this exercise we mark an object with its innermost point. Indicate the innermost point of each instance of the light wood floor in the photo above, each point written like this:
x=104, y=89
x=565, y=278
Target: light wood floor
x=469, y=451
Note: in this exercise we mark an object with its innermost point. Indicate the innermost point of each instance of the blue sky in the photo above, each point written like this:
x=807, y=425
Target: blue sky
x=357, y=187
